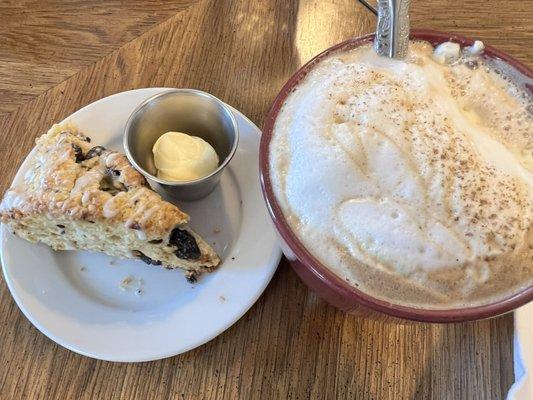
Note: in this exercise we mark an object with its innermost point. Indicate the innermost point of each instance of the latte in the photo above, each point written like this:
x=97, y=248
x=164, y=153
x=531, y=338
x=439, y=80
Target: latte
x=411, y=179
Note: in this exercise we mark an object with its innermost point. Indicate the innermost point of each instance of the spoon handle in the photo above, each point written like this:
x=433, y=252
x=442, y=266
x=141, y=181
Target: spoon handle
x=392, y=34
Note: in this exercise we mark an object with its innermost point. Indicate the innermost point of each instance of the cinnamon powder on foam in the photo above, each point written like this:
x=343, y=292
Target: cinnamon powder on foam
x=411, y=179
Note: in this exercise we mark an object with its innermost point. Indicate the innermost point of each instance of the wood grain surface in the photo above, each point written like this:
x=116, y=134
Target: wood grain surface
x=57, y=56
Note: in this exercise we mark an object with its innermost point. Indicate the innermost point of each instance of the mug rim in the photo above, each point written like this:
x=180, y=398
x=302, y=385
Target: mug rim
x=319, y=270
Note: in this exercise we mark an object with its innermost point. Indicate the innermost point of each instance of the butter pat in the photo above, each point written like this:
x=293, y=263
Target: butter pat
x=182, y=157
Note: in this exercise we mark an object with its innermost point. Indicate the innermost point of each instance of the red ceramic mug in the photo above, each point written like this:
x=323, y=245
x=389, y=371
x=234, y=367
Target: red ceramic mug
x=318, y=277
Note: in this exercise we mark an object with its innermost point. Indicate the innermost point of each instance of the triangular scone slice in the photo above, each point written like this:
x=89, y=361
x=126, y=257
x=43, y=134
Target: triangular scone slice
x=76, y=196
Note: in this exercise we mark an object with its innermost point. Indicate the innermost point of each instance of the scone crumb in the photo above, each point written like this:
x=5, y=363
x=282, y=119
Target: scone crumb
x=126, y=282
x=216, y=230
x=222, y=298
x=83, y=268
x=191, y=277
x=131, y=283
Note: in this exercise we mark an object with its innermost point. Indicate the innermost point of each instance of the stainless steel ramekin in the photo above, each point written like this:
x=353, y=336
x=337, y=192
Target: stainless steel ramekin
x=181, y=110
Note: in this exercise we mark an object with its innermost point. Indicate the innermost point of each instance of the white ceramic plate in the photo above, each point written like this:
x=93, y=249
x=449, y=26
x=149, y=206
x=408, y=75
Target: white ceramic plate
x=75, y=299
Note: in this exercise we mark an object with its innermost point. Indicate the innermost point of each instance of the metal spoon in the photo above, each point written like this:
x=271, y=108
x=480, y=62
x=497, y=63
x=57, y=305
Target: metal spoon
x=392, y=33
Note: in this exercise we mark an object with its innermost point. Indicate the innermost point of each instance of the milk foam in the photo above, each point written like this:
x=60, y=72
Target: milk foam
x=411, y=179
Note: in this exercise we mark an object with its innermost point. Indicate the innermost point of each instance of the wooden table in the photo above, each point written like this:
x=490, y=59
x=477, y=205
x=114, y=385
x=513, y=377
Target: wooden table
x=57, y=56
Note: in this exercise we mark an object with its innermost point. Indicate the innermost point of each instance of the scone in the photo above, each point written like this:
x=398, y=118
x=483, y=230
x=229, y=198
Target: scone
x=76, y=196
